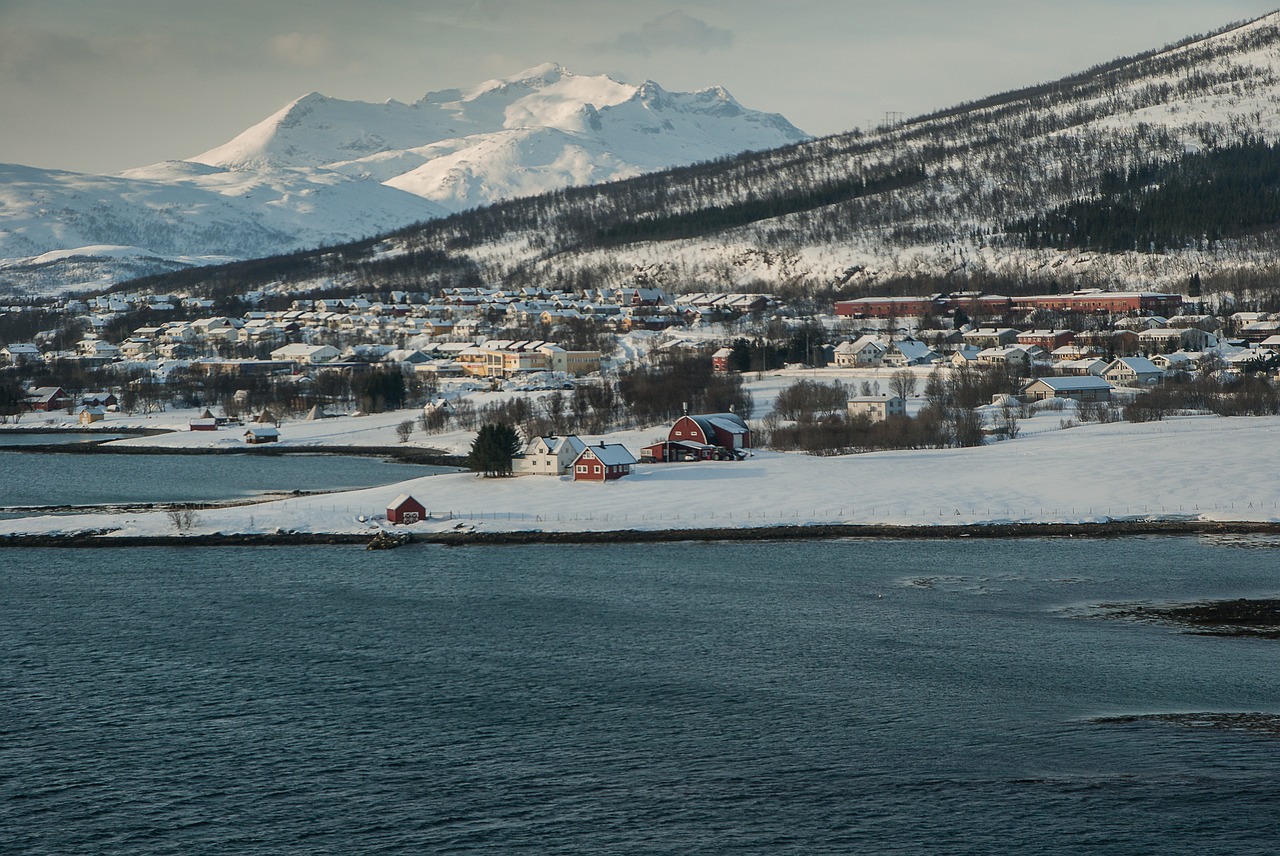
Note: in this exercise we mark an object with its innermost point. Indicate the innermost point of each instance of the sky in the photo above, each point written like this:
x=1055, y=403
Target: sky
x=106, y=85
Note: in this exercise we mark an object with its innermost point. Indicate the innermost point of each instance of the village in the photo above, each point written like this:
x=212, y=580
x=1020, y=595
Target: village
x=874, y=374
x=316, y=356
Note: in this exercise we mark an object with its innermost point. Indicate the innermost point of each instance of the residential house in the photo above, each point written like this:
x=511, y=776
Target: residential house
x=1046, y=339
x=548, y=456
x=877, y=408
x=865, y=352
x=602, y=463
x=19, y=353
x=1133, y=371
x=1014, y=357
x=907, y=352
x=1080, y=368
x=990, y=337
x=1178, y=361
x=1087, y=388
x=307, y=355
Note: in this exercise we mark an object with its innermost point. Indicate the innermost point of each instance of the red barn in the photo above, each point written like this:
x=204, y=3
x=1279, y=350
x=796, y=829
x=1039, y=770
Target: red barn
x=726, y=430
x=404, y=509
x=603, y=463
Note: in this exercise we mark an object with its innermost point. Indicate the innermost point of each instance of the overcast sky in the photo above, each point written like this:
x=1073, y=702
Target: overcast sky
x=104, y=85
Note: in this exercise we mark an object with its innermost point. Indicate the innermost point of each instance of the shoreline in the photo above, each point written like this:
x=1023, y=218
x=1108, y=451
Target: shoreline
x=402, y=454
x=1116, y=529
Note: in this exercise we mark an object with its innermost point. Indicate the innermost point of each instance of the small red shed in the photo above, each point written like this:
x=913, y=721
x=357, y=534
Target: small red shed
x=404, y=509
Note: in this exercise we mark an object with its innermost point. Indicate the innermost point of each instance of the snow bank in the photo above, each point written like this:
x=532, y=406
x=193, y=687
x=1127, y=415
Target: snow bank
x=1201, y=468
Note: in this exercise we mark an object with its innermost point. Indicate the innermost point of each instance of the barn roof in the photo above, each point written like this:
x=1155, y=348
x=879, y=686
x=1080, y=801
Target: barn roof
x=730, y=422
x=401, y=500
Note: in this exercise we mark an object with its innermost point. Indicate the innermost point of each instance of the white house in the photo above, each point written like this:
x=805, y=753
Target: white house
x=864, y=352
x=877, y=407
x=1008, y=355
x=1133, y=371
x=548, y=456
x=310, y=355
x=1083, y=388
x=908, y=352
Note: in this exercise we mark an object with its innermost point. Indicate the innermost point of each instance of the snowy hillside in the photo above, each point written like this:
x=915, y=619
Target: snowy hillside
x=936, y=196
x=324, y=171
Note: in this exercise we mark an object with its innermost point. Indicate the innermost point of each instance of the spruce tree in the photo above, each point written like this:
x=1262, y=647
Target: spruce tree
x=492, y=450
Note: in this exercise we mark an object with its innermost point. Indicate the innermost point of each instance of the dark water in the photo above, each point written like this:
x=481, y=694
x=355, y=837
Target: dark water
x=12, y=438
x=842, y=697
x=55, y=478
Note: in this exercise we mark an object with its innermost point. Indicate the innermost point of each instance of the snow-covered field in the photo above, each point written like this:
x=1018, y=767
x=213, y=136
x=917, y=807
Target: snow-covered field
x=1198, y=468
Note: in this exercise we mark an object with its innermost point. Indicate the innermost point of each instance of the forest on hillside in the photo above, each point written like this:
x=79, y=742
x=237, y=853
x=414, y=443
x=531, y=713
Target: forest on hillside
x=1031, y=169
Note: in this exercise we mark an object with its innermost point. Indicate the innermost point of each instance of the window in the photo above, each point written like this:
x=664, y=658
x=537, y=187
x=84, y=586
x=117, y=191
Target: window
x=582, y=468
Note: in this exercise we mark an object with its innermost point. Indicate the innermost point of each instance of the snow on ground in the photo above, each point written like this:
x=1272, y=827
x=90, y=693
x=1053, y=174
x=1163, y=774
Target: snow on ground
x=1205, y=468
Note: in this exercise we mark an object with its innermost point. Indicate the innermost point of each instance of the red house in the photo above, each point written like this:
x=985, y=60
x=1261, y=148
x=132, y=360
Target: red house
x=405, y=510
x=720, y=360
x=603, y=463
x=46, y=399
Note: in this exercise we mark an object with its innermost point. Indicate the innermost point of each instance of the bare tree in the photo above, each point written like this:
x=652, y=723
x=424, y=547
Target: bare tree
x=903, y=384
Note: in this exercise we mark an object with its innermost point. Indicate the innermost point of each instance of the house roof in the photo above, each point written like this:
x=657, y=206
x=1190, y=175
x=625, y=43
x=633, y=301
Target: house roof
x=913, y=351
x=1140, y=365
x=401, y=500
x=1065, y=384
x=610, y=454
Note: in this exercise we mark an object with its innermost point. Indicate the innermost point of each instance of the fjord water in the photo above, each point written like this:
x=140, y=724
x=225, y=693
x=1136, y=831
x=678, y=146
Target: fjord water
x=836, y=697
x=52, y=478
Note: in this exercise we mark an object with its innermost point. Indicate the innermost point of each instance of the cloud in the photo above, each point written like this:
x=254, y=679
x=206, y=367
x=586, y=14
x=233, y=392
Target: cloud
x=303, y=50
x=673, y=31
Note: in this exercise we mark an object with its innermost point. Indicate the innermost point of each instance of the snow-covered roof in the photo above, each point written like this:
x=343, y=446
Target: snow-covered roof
x=1065, y=384
x=610, y=454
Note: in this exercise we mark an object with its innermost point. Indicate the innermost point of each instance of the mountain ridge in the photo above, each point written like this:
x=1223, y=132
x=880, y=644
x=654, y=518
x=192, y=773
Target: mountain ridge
x=322, y=170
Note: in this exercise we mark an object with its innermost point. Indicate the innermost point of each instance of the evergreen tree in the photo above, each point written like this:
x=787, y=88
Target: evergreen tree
x=492, y=450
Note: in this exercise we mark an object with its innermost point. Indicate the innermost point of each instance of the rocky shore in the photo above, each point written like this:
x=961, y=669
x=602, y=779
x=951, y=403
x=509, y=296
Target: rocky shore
x=1256, y=618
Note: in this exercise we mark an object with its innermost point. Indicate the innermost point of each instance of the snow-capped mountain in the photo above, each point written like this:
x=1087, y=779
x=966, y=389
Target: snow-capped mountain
x=323, y=171
x=545, y=129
